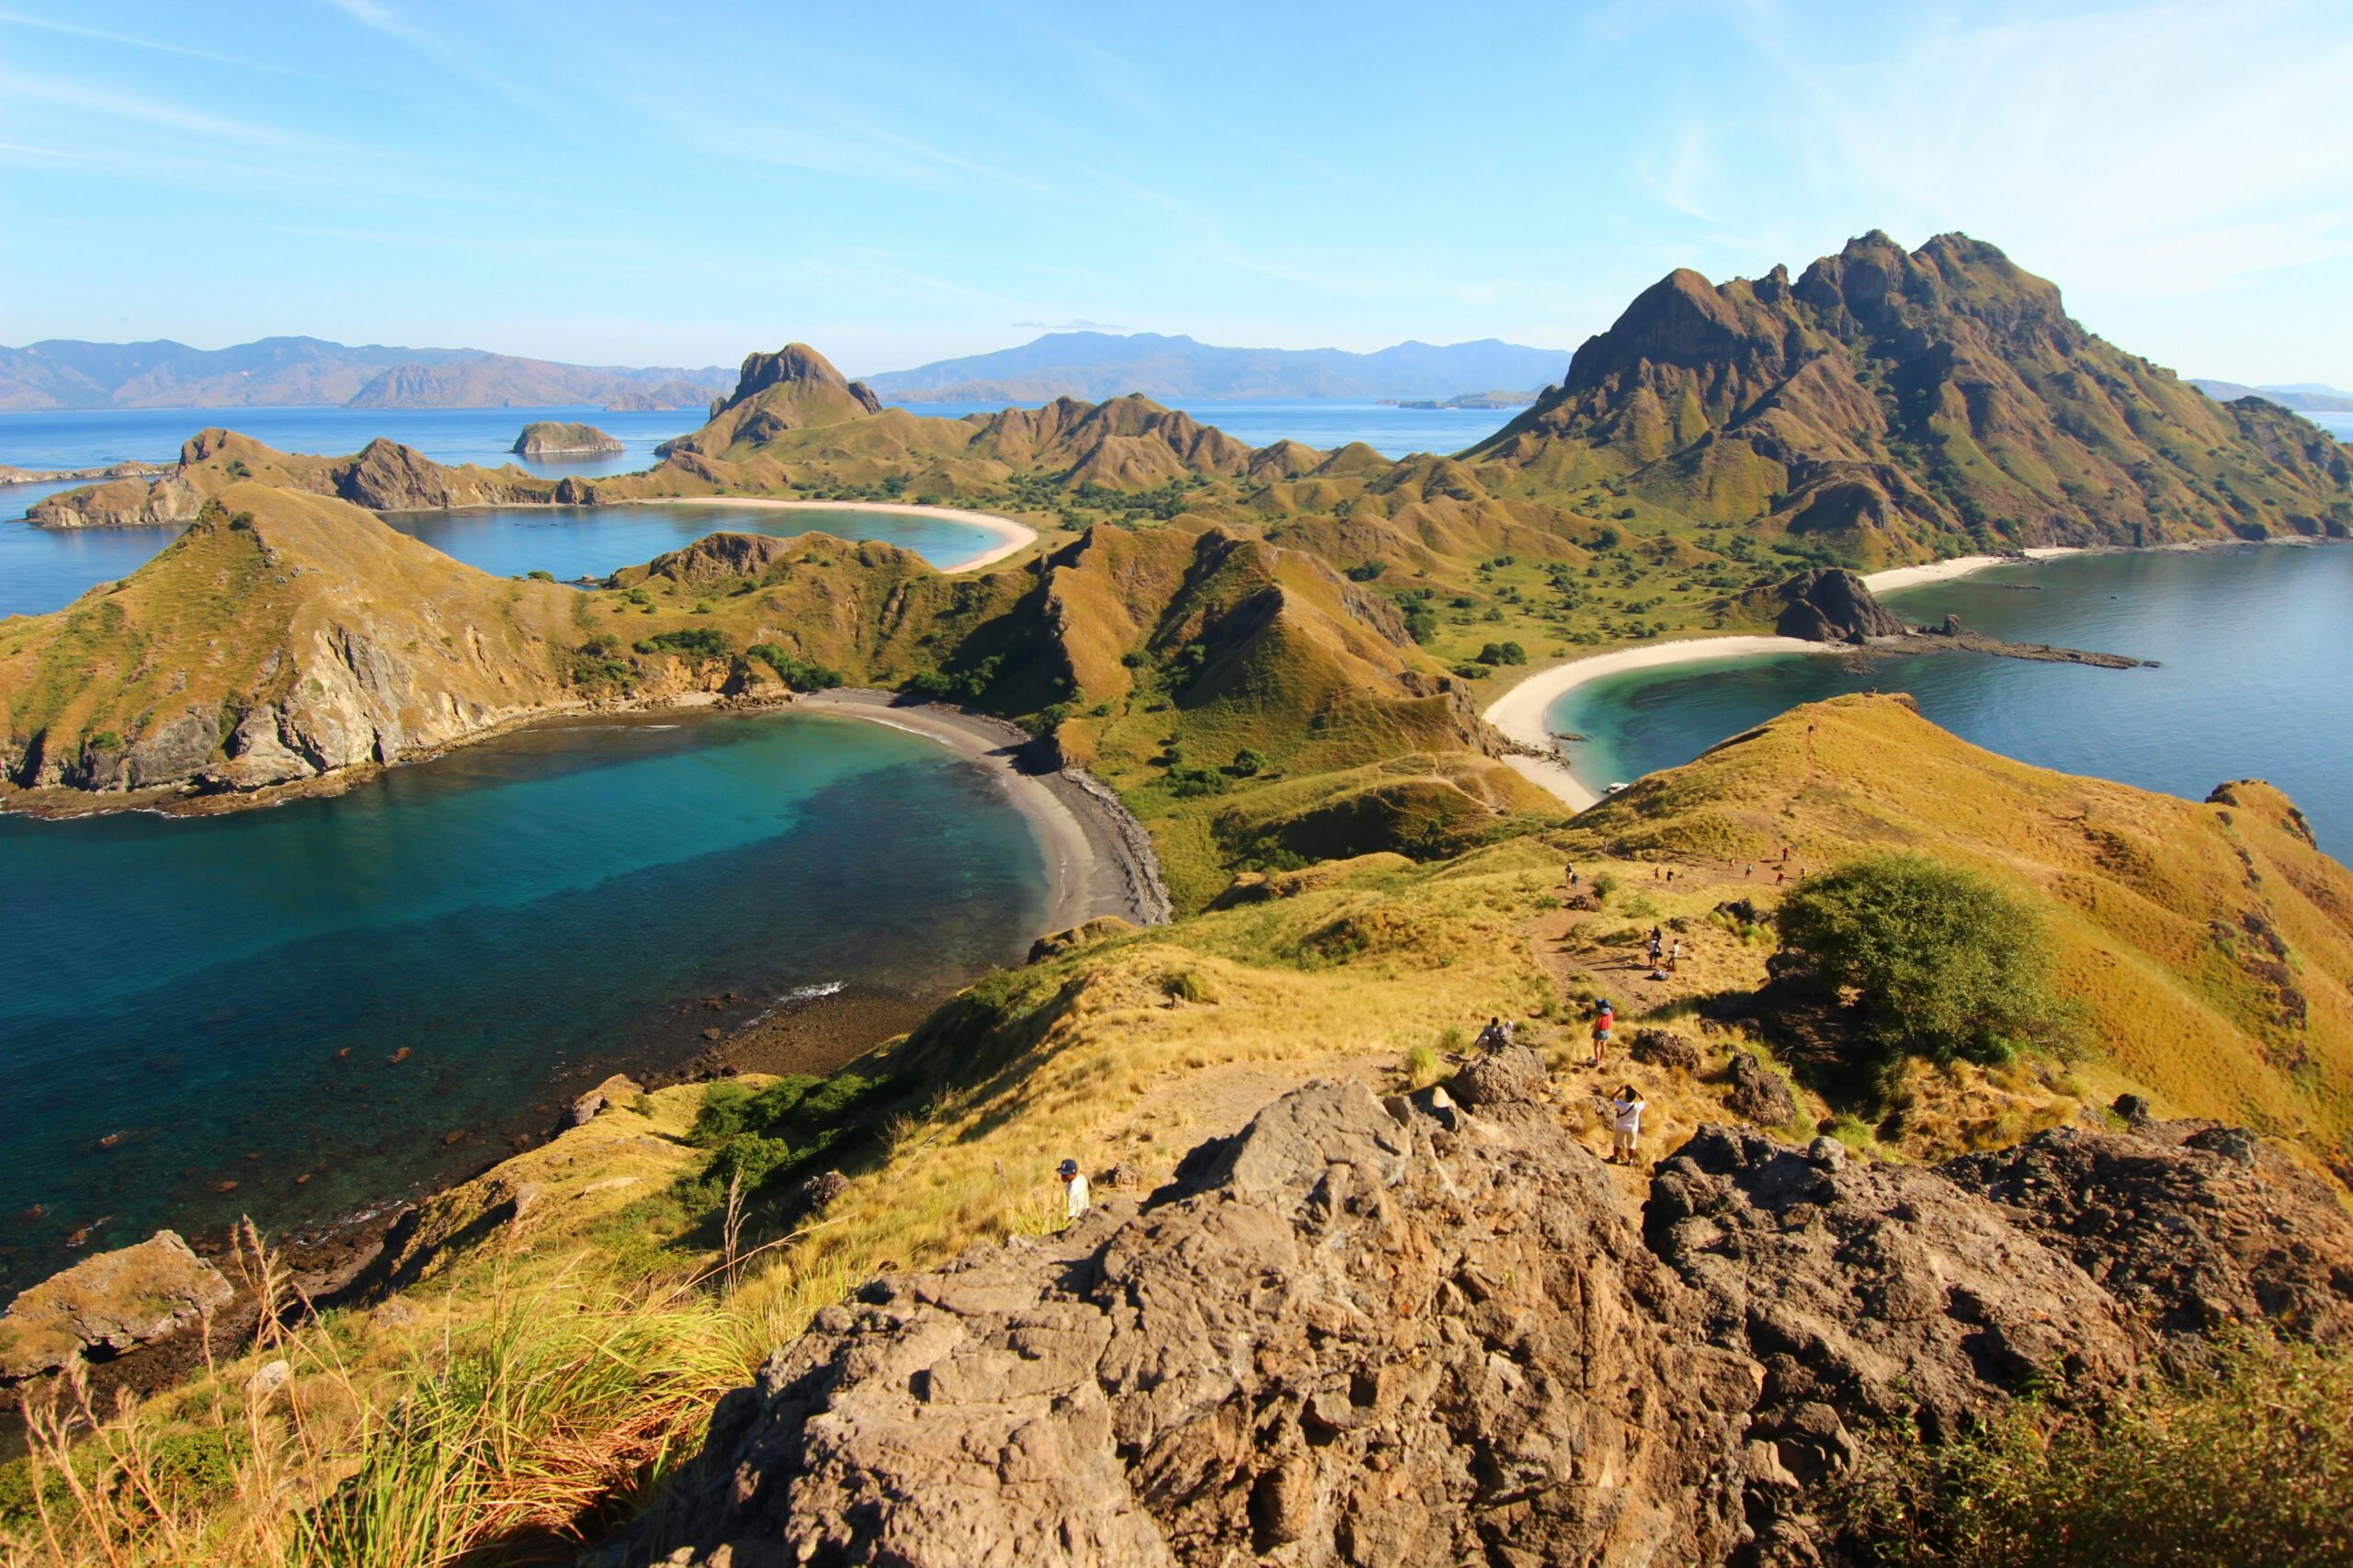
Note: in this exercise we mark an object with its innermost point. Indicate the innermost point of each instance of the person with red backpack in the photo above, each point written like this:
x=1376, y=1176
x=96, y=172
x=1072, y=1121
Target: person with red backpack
x=1605, y=1018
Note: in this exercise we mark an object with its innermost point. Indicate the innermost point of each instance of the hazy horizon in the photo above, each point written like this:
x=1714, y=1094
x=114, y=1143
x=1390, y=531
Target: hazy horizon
x=626, y=184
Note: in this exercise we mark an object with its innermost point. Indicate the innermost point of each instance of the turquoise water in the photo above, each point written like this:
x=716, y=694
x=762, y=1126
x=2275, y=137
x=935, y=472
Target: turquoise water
x=46, y=569
x=521, y=917
x=594, y=541
x=2255, y=647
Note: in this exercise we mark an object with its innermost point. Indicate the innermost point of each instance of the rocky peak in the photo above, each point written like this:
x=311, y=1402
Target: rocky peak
x=800, y=368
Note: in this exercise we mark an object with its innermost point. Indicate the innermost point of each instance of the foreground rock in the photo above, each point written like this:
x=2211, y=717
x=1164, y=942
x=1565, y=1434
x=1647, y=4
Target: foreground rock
x=554, y=438
x=109, y=1304
x=1351, y=1335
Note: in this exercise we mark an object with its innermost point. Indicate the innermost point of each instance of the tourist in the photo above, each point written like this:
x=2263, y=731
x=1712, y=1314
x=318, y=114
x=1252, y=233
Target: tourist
x=1625, y=1125
x=1675, y=954
x=1605, y=1018
x=1495, y=1036
x=1075, y=1197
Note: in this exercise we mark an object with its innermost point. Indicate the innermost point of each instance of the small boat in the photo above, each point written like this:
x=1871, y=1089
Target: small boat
x=1613, y=788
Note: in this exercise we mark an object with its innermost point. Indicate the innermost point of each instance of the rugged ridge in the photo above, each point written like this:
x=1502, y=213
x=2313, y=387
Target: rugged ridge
x=1900, y=404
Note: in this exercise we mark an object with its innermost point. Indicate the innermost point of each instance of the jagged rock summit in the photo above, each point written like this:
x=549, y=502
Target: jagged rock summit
x=795, y=387
x=1360, y=1333
x=1827, y=605
x=1906, y=403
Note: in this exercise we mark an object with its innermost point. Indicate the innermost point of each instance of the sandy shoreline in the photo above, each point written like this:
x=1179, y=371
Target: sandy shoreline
x=1519, y=712
x=1102, y=860
x=1011, y=538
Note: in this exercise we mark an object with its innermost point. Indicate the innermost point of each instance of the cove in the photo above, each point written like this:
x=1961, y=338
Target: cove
x=2255, y=678
x=187, y=1002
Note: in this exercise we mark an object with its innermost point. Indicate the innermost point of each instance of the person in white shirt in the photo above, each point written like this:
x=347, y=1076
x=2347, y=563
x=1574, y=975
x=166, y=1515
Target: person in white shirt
x=1075, y=1200
x=1625, y=1125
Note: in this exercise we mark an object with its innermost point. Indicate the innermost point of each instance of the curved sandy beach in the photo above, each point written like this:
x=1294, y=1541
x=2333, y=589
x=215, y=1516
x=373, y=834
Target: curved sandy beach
x=1101, y=857
x=1519, y=712
x=1012, y=537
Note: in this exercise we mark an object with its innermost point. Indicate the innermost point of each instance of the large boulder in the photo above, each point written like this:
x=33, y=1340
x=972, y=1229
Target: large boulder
x=1758, y=1093
x=1362, y=1341
x=107, y=1304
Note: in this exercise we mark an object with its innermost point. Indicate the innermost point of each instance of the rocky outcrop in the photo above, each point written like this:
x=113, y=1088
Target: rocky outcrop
x=1758, y=1093
x=2195, y=1225
x=109, y=1304
x=1342, y=1339
x=119, y=504
x=1831, y=606
x=1352, y=1334
x=552, y=438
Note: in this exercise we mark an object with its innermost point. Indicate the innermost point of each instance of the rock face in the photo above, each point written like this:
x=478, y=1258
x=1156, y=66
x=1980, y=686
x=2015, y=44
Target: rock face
x=1831, y=606
x=550, y=439
x=1342, y=1340
x=2194, y=1224
x=109, y=1304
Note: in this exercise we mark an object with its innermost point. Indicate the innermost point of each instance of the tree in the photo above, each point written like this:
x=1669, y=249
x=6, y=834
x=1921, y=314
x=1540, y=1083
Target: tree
x=1941, y=963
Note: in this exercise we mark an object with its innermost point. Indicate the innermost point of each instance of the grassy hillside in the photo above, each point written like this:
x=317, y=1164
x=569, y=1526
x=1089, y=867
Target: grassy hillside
x=564, y=1322
x=2210, y=945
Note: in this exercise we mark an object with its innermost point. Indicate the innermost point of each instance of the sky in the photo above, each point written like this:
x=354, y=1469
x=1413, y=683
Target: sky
x=679, y=183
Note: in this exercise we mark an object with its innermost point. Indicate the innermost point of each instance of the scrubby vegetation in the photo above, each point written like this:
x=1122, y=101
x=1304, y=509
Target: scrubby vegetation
x=2247, y=1458
x=1938, y=960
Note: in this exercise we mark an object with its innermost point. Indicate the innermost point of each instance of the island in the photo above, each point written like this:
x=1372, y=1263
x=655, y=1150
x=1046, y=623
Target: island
x=554, y=439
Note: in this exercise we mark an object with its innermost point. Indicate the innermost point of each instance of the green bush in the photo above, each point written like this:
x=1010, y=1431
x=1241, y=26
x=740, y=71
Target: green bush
x=1248, y=762
x=1502, y=653
x=1942, y=963
x=2248, y=1459
x=795, y=671
x=700, y=643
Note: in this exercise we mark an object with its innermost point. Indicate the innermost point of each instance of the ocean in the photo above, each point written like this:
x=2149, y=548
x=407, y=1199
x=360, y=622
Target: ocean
x=380, y=990
x=2255, y=679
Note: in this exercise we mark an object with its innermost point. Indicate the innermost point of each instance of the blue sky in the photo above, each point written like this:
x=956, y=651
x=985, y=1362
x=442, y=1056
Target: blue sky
x=679, y=183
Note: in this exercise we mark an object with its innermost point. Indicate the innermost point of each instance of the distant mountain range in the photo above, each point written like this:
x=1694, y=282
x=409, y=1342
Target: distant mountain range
x=291, y=372
x=2304, y=397
x=1097, y=365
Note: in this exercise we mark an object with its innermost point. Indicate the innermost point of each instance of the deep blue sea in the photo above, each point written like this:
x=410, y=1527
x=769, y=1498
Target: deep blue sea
x=186, y=1002
x=2254, y=679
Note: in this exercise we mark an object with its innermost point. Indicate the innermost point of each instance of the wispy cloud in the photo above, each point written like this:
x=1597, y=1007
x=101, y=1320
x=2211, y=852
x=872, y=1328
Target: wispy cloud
x=158, y=46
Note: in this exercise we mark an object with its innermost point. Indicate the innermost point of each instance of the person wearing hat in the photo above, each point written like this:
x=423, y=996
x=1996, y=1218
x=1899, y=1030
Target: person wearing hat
x=1074, y=1204
x=1605, y=1018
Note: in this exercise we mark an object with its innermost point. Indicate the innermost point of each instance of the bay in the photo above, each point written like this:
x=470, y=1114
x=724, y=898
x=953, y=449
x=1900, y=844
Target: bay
x=188, y=1003
x=2255, y=679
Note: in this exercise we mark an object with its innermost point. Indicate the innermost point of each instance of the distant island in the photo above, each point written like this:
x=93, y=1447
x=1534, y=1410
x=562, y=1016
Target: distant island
x=1468, y=399
x=1098, y=365
x=311, y=372
x=2306, y=397
x=555, y=438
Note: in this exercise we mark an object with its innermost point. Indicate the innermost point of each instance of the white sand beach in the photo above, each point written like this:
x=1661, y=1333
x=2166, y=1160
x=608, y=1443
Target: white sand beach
x=1012, y=537
x=1519, y=712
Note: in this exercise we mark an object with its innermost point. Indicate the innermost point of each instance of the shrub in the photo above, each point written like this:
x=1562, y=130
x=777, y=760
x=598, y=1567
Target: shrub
x=2248, y=1459
x=1603, y=884
x=1943, y=963
x=1247, y=762
x=1187, y=985
x=539, y=575
x=795, y=671
x=700, y=643
x=1421, y=1066
x=1502, y=653
x=1366, y=571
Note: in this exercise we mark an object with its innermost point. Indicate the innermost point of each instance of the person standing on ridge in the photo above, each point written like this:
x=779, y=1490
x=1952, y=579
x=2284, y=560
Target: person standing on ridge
x=1074, y=1195
x=1625, y=1125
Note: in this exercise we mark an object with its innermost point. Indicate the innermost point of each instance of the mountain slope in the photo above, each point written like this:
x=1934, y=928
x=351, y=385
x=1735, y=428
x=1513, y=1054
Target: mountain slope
x=1890, y=405
x=1094, y=364
x=2208, y=944
x=313, y=372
